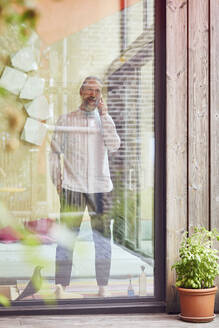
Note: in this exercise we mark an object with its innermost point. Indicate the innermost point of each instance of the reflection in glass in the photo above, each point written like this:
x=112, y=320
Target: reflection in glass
x=77, y=184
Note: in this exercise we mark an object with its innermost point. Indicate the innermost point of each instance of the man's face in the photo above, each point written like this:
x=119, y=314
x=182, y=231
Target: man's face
x=90, y=95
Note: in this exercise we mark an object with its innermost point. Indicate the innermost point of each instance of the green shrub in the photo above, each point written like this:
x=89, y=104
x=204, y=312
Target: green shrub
x=197, y=266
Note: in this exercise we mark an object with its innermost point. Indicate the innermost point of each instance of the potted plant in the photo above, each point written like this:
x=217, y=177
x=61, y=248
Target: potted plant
x=196, y=271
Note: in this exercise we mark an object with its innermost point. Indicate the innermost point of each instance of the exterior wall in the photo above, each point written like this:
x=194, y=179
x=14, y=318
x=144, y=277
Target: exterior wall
x=192, y=124
x=59, y=19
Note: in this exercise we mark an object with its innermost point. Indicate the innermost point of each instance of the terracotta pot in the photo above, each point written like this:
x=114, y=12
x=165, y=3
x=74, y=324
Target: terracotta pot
x=197, y=305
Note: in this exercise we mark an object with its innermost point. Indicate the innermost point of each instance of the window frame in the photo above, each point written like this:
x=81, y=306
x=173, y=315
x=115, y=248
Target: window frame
x=152, y=304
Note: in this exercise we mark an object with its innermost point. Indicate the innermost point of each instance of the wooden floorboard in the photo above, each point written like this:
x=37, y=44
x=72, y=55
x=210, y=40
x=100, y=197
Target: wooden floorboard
x=98, y=321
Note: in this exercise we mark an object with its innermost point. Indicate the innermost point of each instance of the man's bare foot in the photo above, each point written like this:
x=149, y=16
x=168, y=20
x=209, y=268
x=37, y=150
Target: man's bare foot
x=59, y=291
x=103, y=291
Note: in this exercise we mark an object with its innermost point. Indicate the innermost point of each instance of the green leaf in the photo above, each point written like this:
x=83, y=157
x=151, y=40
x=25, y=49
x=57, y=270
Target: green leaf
x=3, y=92
x=4, y=301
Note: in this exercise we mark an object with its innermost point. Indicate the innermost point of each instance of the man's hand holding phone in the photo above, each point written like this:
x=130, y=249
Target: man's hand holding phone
x=102, y=107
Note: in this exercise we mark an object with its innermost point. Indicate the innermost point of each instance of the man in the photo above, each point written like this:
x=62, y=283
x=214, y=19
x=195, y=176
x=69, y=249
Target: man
x=80, y=171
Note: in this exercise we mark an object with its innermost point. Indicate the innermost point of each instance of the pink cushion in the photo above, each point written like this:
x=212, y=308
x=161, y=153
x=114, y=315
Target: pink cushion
x=41, y=228
x=8, y=234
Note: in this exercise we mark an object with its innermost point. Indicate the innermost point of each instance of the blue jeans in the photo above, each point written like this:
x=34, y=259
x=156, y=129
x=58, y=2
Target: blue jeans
x=99, y=205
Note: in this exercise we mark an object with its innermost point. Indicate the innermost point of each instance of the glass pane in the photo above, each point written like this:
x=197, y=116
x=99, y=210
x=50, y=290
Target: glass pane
x=77, y=153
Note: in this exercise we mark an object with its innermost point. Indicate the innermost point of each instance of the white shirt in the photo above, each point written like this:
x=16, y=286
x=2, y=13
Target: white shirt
x=83, y=140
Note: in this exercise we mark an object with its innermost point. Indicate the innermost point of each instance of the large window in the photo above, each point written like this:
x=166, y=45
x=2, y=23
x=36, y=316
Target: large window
x=81, y=185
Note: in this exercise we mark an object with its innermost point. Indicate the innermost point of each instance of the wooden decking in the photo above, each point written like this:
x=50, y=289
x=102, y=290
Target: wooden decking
x=98, y=321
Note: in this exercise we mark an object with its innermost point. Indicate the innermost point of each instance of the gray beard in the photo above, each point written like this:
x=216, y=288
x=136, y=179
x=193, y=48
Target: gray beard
x=87, y=107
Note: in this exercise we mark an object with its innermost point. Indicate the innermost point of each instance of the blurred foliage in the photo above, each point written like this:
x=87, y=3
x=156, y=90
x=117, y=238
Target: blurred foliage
x=18, y=20
x=4, y=300
x=32, y=253
x=124, y=204
x=3, y=92
x=20, y=13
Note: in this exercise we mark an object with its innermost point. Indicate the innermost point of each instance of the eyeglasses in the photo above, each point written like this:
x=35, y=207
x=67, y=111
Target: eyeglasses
x=91, y=91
